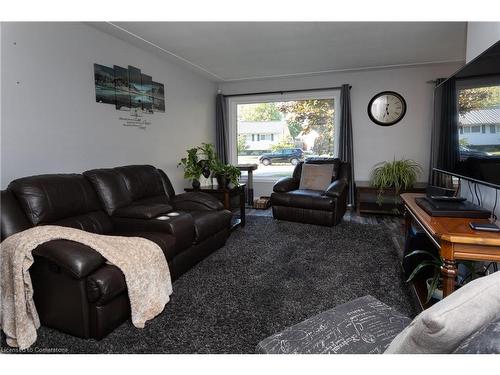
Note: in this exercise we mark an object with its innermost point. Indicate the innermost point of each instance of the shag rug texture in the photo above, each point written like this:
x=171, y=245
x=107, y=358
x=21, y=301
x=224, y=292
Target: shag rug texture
x=270, y=275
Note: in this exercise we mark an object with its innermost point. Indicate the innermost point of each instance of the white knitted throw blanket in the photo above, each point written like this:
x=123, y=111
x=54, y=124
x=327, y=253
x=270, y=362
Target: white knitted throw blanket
x=141, y=261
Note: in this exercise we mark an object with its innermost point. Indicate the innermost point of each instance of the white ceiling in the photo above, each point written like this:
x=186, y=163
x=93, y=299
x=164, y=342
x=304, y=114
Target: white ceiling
x=227, y=51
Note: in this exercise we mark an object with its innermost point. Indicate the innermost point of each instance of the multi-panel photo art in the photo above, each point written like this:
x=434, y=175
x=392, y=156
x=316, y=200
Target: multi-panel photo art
x=128, y=88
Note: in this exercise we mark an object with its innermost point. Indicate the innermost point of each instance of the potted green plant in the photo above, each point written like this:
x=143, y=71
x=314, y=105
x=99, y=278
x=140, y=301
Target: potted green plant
x=434, y=284
x=192, y=168
x=436, y=262
x=399, y=175
x=226, y=174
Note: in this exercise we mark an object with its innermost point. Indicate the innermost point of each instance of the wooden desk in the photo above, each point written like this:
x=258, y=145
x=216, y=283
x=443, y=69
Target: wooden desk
x=225, y=196
x=454, y=238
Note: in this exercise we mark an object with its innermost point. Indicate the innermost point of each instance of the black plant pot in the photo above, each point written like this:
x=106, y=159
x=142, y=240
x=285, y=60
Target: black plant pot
x=205, y=168
x=222, y=181
x=196, y=184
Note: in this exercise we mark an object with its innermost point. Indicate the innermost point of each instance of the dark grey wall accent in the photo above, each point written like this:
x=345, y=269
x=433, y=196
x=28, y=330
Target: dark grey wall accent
x=346, y=151
x=221, y=128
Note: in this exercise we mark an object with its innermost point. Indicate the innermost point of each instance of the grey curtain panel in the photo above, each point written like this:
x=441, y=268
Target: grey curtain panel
x=346, y=151
x=221, y=128
x=444, y=142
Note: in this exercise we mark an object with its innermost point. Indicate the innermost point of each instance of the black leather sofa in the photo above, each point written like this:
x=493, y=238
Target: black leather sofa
x=76, y=291
x=312, y=206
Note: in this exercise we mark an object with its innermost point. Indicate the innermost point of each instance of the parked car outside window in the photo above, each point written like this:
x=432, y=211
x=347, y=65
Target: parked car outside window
x=288, y=155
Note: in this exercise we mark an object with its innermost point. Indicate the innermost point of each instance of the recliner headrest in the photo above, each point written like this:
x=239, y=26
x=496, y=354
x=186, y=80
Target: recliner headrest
x=142, y=180
x=121, y=186
x=51, y=197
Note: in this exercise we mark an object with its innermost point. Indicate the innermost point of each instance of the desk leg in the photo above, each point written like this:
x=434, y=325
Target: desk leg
x=407, y=223
x=449, y=269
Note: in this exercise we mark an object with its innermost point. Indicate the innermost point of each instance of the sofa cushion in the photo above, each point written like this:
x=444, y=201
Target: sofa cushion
x=52, y=197
x=364, y=325
x=445, y=325
x=208, y=223
x=157, y=199
x=142, y=181
x=111, y=188
x=316, y=176
x=484, y=341
x=324, y=160
x=309, y=199
x=196, y=201
x=143, y=211
x=167, y=185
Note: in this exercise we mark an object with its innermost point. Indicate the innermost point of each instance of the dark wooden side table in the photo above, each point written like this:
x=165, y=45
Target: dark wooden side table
x=232, y=197
x=249, y=168
x=366, y=198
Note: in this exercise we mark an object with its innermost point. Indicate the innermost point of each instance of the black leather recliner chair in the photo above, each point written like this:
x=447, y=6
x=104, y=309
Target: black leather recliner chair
x=312, y=206
x=76, y=291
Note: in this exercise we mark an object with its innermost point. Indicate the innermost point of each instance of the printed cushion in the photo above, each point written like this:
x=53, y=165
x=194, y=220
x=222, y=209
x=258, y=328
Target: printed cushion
x=316, y=176
x=364, y=325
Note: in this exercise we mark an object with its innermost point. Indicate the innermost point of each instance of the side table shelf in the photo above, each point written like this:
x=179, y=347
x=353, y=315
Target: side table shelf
x=366, y=198
x=233, y=198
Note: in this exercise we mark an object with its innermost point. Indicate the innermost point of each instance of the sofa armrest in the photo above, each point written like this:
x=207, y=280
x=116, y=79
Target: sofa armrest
x=105, y=284
x=286, y=184
x=75, y=258
x=336, y=188
x=181, y=227
x=196, y=201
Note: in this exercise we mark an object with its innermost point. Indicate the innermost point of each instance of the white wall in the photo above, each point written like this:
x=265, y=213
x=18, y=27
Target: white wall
x=410, y=138
x=480, y=36
x=51, y=123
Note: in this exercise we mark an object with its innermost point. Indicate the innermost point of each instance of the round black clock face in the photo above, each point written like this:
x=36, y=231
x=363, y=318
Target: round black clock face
x=386, y=108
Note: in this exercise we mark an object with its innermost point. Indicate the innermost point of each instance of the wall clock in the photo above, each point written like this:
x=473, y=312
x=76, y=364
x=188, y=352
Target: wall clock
x=386, y=108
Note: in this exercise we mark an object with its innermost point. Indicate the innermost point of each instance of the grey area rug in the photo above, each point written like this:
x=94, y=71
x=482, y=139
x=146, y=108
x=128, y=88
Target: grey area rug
x=270, y=275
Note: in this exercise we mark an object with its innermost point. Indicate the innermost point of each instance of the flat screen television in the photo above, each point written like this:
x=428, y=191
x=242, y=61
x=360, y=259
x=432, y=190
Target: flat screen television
x=477, y=87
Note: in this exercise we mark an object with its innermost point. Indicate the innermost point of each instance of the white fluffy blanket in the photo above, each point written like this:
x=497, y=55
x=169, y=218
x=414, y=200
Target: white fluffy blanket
x=141, y=261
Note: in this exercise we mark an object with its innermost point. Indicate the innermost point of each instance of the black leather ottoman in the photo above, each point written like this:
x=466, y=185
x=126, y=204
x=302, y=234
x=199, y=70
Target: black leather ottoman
x=362, y=326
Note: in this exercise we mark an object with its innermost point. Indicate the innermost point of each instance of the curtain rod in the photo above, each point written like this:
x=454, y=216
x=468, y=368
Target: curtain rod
x=286, y=91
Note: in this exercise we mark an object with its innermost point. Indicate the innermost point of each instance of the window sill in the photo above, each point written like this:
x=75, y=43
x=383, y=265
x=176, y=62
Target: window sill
x=262, y=179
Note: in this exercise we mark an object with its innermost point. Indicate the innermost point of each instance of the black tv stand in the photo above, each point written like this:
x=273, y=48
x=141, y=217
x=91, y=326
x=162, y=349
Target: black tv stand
x=462, y=209
x=446, y=198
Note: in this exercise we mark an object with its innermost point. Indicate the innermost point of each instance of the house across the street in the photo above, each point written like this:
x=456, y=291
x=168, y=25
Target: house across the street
x=480, y=127
x=261, y=135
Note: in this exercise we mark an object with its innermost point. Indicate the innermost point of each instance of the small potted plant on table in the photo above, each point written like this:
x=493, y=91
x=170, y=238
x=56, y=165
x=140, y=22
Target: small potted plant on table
x=226, y=174
x=195, y=167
